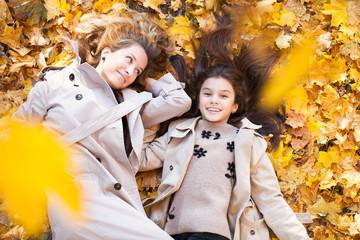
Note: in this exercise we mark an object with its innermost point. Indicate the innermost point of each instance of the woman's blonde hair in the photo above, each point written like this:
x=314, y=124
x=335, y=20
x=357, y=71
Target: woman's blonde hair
x=117, y=32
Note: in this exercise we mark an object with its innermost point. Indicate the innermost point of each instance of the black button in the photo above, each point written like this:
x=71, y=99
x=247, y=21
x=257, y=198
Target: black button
x=71, y=77
x=117, y=186
x=99, y=160
x=171, y=167
x=252, y=232
x=78, y=96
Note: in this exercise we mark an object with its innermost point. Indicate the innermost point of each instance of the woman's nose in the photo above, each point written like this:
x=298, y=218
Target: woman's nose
x=130, y=70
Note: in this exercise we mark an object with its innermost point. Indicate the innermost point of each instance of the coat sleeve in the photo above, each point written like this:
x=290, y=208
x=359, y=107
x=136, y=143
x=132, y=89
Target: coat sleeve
x=153, y=151
x=34, y=110
x=169, y=101
x=267, y=195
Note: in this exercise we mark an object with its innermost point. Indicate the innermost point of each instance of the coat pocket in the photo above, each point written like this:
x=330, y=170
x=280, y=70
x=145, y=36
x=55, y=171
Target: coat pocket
x=252, y=224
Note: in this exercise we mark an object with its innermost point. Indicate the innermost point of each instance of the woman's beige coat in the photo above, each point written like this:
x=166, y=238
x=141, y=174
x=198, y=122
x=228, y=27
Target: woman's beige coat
x=112, y=206
x=255, y=177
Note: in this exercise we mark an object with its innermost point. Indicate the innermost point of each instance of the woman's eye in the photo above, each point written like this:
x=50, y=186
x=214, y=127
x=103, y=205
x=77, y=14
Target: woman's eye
x=130, y=59
x=137, y=72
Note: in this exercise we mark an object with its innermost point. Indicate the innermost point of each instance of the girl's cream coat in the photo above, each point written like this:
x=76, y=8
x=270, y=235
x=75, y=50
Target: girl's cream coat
x=112, y=206
x=255, y=177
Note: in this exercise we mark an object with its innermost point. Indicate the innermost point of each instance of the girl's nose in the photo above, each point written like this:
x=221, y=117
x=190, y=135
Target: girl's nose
x=214, y=99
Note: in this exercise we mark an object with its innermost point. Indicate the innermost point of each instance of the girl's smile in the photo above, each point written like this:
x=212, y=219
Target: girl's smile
x=217, y=100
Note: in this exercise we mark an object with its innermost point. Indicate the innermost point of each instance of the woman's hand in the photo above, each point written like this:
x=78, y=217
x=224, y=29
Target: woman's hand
x=148, y=83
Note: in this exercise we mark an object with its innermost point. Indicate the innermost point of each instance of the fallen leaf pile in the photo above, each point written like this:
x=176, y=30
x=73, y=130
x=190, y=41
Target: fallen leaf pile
x=318, y=161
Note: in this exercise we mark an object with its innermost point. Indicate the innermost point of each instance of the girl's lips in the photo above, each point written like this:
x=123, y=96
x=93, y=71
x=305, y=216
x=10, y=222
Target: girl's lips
x=213, y=109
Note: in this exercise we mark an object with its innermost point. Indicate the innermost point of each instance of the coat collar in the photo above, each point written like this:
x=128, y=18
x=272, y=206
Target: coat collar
x=245, y=123
x=189, y=124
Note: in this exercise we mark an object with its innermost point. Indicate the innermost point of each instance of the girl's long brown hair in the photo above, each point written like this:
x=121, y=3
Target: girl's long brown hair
x=246, y=71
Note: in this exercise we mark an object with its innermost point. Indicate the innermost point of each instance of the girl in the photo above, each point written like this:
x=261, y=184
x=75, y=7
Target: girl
x=215, y=164
x=114, y=56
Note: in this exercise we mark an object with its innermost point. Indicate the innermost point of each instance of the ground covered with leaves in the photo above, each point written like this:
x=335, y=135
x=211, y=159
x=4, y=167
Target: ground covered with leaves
x=317, y=164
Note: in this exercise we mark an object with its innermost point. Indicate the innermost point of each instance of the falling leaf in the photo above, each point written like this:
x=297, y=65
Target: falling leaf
x=286, y=78
x=31, y=171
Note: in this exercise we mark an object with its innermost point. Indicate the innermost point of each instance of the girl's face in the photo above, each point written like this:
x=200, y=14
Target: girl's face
x=217, y=100
x=122, y=67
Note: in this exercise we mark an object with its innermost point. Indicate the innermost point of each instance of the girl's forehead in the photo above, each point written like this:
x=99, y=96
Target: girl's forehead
x=217, y=83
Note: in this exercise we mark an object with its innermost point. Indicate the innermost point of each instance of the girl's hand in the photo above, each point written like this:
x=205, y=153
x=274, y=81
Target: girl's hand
x=148, y=83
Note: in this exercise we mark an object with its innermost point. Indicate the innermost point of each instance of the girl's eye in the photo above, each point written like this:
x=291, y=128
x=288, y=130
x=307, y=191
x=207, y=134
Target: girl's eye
x=130, y=59
x=137, y=72
x=206, y=94
x=224, y=96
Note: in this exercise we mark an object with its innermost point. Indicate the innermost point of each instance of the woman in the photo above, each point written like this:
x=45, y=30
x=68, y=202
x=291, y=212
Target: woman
x=114, y=56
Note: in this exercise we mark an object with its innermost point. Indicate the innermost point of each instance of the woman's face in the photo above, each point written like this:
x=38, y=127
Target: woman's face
x=121, y=67
x=217, y=100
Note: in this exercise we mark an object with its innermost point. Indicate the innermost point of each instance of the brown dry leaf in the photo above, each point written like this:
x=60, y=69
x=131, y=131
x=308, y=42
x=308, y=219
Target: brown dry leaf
x=303, y=137
x=295, y=119
x=30, y=11
x=11, y=36
x=5, y=104
x=353, y=11
x=150, y=179
x=52, y=9
x=5, y=16
x=324, y=41
x=16, y=233
x=36, y=38
x=308, y=195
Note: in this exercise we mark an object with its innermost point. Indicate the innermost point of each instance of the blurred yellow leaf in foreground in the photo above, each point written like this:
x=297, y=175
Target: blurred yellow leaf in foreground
x=32, y=164
x=297, y=64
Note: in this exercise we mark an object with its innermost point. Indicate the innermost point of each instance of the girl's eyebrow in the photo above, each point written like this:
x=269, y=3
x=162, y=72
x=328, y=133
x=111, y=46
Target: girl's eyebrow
x=222, y=90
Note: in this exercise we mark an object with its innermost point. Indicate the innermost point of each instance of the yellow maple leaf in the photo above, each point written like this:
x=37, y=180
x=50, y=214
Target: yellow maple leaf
x=281, y=157
x=104, y=6
x=314, y=128
x=327, y=158
x=322, y=209
x=297, y=99
x=182, y=29
x=285, y=18
x=32, y=165
x=63, y=5
x=338, y=11
x=154, y=4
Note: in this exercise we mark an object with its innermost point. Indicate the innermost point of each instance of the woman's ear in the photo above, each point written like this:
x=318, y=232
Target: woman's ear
x=105, y=52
